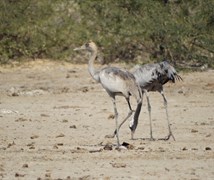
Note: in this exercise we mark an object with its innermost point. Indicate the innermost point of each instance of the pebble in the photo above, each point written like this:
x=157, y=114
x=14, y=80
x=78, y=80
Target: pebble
x=194, y=131
x=60, y=135
x=108, y=147
x=208, y=148
x=118, y=165
x=73, y=126
x=25, y=166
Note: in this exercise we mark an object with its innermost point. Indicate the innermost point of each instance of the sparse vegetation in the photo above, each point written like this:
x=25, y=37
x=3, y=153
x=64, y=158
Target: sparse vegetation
x=129, y=30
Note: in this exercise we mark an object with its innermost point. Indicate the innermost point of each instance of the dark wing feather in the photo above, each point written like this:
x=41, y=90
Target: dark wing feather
x=167, y=72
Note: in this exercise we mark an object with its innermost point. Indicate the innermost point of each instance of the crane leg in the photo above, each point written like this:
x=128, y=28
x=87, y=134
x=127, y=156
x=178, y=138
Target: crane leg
x=167, y=117
x=149, y=110
x=127, y=117
x=116, y=120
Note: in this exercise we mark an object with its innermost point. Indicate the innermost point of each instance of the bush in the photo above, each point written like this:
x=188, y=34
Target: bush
x=129, y=30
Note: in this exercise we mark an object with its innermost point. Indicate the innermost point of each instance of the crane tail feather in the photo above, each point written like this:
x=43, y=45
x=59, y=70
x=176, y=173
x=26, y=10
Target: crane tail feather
x=179, y=78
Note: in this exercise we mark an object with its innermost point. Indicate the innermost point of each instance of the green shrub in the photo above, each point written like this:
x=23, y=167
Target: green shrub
x=129, y=30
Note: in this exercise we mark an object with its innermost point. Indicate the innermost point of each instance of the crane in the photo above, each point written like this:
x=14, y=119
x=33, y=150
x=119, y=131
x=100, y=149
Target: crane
x=152, y=77
x=116, y=82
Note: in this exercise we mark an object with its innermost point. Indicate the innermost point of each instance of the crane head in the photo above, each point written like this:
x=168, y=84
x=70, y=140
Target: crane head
x=89, y=46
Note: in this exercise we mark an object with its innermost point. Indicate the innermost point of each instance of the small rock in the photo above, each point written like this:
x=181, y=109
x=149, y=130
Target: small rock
x=208, y=148
x=85, y=89
x=184, y=149
x=183, y=90
x=73, y=126
x=121, y=148
x=192, y=173
x=161, y=149
x=111, y=116
x=25, y=166
x=64, y=90
x=60, y=135
x=55, y=147
x=72, y=71
x=203, y=123
x=80, y=150
x=108, y=147
x=64, y=120
x=21, y=120
x=34, y=136
x=180, y=91
x=11, y=144
x=14, y=94
x=44, y=115
x=32, y=147
x=194, y=131
x=118, y=165
x=60, y=144
x=141, y=148
x=19, y=175
x=13, y=91
x=167, y=169
x=208, y=135
x=85, y=177
x=1, y=168
x=48, y=175
x=95, y=151
x=109, y=136
x=68, y=76
x=31, y=144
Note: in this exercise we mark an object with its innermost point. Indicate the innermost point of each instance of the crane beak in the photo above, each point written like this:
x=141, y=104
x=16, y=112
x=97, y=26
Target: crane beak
x=79, y=48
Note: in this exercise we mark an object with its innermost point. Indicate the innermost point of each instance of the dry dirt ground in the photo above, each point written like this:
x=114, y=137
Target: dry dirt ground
x=54, y=118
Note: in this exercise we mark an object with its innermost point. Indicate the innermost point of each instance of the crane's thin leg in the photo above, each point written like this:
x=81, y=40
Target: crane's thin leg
x=150, y=119
x=167, y=117
x=127, y=117
x=134, y=121
x=116, y=120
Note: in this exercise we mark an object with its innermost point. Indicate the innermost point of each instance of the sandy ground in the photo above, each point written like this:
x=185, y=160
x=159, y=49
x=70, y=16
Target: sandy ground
x=54, y=118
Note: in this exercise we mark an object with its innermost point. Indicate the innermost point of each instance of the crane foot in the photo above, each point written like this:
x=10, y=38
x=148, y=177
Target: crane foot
x=152, y=139
x=168, y=137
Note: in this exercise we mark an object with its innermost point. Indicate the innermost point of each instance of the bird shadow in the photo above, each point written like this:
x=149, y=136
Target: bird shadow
x=150, y=139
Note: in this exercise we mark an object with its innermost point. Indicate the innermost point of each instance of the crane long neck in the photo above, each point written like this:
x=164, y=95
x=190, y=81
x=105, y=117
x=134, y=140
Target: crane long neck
x=91, y=69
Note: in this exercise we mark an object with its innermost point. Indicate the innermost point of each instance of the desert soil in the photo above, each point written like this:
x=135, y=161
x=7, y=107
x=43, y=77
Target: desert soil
x=54, y=119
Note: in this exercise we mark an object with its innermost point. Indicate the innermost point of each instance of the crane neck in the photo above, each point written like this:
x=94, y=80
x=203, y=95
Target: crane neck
x=94, y=73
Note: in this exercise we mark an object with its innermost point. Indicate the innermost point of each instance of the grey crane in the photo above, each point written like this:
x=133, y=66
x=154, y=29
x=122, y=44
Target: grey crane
x=152, y=77
x=116, y=82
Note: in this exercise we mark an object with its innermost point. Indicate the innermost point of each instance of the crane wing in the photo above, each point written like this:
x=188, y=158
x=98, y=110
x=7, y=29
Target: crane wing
x=145, y=75
x=153, y=76
x=115, y=80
